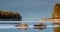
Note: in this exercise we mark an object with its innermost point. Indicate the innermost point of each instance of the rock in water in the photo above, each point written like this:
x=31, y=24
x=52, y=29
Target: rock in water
x=22, y=25
x=56, y=15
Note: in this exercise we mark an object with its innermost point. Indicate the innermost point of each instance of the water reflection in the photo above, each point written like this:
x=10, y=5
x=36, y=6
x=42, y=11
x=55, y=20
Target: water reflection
x=56, y=29
x=34, y=27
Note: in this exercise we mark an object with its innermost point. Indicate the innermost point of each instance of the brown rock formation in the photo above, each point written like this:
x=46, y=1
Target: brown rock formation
x=40, y=26
x=22, y=25
x=56, y=11
x=56, y=15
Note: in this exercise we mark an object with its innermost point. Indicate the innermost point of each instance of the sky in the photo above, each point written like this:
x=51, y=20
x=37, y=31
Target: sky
x=30, y=10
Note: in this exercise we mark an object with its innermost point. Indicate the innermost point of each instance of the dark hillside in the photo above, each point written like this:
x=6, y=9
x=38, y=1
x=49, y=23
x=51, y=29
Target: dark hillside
x=10, y=16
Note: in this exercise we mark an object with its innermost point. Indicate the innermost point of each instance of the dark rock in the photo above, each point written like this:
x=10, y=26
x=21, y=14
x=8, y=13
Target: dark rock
x=10, y=16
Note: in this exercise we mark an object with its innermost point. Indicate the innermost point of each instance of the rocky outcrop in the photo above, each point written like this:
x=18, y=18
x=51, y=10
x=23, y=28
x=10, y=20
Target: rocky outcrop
x=22, y=25
x=56, y=11
x=56, y=15
x=10, y=16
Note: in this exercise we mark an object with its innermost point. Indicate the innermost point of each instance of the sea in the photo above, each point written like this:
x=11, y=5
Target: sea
x=30, y=28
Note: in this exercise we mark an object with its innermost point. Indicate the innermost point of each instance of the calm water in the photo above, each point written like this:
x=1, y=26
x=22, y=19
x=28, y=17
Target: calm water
x=48, y=29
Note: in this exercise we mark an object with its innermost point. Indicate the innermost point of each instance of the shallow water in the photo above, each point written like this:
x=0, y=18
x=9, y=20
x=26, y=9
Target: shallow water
x=48, y=29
